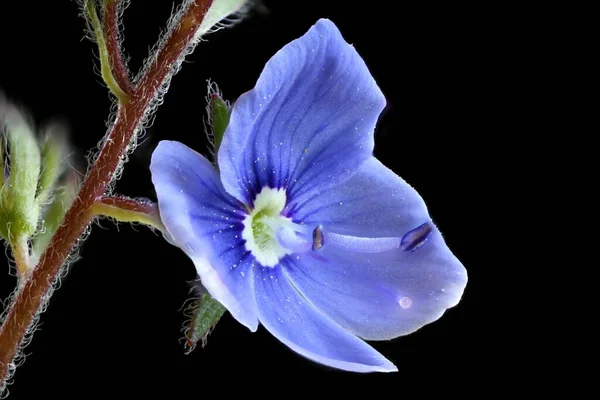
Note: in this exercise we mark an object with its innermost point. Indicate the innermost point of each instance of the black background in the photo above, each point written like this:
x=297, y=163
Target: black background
x=114, y=326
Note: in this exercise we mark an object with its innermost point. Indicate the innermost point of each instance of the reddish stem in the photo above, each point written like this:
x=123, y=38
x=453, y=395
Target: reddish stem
x=111, y=35
x=129, y=210
x=29, y=299
x=129, y=204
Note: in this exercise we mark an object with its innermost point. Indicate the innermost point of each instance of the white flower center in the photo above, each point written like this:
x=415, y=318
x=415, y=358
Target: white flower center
x=261, y=227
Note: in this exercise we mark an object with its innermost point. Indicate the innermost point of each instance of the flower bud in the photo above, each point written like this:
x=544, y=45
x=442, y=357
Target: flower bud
x=19, y=211
x=35, y=192
x=220, y=13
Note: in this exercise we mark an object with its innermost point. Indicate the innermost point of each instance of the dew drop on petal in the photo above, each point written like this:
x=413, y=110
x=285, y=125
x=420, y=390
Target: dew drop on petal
x=416, y=238
x=143, y=201
x=405, y=302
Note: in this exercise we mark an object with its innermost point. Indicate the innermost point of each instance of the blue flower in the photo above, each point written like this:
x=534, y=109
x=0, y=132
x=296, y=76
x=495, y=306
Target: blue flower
x=301, y=228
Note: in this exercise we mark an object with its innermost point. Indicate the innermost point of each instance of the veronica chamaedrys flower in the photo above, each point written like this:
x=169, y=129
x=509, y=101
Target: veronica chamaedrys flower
x=301, y=228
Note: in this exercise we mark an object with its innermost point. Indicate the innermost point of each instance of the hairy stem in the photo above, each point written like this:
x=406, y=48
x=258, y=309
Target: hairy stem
x=108, y=74
x=124, y=209
x=113, y=47
x=24, y=309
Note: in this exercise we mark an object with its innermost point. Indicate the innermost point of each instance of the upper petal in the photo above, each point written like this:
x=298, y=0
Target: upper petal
x=308, y=122
x=296, y=323
x=374, y=202
x=206, y=223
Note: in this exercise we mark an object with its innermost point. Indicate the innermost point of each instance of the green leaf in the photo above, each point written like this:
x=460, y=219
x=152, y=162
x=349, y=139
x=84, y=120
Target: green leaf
x=54, y=150
x=2, y=165
x=4, y=212
x=54, y=214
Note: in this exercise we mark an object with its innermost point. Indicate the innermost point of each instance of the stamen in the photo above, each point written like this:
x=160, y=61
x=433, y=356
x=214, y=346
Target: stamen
x=317, y=238
x=410, y=242
x=294, y=241
x=416, y=238
x=360, y=244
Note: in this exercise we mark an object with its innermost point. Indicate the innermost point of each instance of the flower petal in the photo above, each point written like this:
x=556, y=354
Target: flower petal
x=376, y=295
x=296, y=323
x=374, y=202
x=206, y=223
x=380, y=296
x=308, y=122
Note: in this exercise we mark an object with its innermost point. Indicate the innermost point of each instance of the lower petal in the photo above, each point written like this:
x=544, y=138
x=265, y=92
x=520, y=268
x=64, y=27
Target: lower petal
x=307, y=331
x=381, y=296
x=206, y=223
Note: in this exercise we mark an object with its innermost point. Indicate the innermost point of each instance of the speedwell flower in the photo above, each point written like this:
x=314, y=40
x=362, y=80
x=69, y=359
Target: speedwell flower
x=301, y=228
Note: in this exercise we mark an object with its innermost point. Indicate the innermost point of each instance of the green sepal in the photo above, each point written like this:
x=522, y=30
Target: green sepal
x=219, y=112
x=205, y=312
x=53, y=152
